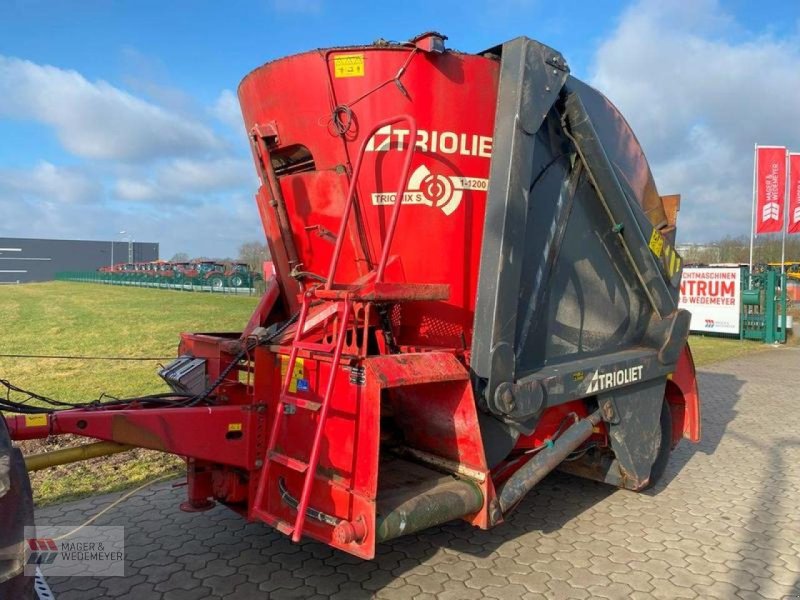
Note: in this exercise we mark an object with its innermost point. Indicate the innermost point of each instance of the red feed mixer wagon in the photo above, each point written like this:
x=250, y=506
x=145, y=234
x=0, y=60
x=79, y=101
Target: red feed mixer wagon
x=475, y=283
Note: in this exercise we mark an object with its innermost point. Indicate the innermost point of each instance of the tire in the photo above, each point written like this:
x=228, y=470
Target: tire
x=216, y=283
x=237, y=281
x=16, y=512
x=664, y=448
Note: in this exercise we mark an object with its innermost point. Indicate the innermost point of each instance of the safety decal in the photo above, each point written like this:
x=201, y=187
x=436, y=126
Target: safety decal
x=297, y=374
x=35, y=420
x=348, y=65
x=656, y=242
x=672, y=262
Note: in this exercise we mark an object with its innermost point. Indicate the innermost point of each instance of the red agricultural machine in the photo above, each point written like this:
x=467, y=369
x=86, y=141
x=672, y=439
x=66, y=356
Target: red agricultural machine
x=474, y=283
x=213, y=274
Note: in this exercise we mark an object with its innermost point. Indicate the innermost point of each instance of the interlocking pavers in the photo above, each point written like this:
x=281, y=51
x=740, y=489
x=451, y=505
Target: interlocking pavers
x=723, y=524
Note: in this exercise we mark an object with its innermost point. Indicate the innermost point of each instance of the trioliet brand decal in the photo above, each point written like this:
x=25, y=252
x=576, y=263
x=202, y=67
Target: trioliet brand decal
x=437, y=142
x=604, y=381
x=435, y=190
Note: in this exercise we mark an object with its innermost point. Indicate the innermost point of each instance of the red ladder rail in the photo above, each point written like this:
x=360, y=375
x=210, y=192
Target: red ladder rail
x=323, y=415
x=351, y=194
x=259, y=503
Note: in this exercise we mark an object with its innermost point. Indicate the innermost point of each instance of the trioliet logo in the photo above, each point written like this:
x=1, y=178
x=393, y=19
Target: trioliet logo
x=436, y=142
x=604, y=381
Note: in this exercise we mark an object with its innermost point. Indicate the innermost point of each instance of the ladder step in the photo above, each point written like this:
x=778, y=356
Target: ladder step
x=284, y=527
x=300, y=402
x=287, y=461
x=314, y=347
x=279, y=524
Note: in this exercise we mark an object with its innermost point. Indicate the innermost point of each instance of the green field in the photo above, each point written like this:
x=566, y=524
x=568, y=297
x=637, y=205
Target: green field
x=708, y=349
x=94, y=320
x=61, y=318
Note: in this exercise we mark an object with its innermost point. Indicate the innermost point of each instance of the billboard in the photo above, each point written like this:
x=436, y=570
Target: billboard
x=713, y=296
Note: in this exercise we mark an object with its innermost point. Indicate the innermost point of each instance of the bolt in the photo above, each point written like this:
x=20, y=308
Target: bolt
x=508, y=399
x=259, y=463
x=495, y=512
x=608, y=411
x=547, y=88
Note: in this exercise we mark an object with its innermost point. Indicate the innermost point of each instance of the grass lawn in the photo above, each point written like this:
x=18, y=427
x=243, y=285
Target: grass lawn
x=707, y=349
x=64, y=318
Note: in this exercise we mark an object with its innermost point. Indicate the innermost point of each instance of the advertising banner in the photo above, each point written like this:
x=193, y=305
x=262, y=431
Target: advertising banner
x=793, y=226
x=713, y=296
x=770, y=188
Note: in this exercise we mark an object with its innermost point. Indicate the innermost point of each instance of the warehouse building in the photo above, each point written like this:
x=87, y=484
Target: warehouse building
x=23, y=260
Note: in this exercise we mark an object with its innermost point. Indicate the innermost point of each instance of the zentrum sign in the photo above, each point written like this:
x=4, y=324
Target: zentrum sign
x=713, y=296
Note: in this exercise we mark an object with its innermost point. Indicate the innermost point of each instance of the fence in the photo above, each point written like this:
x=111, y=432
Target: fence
x=157, y=281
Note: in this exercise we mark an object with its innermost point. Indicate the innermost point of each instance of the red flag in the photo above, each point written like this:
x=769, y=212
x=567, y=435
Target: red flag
x=770, y=188
x=793, y=226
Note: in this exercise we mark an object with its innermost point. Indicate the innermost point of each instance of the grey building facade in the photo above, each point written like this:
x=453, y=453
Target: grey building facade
x=24, y=260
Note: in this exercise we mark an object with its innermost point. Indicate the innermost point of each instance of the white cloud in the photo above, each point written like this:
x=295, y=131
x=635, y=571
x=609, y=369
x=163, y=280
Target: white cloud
x=95, y=119
x=210, y=229
x=185, y=180
x=137, y=190
x=226, y=109
x=47, y=182
x=699, y=91
x=155, y=168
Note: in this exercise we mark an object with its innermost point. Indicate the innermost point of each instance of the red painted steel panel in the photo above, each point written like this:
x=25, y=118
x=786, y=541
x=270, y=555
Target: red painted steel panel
x=452, y=97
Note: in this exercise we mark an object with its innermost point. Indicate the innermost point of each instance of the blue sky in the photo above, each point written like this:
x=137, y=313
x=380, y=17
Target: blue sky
x=121, y=115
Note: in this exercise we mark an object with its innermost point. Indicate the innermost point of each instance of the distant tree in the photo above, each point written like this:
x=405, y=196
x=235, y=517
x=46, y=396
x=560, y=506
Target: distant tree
x=179, y=257
x=766, y=248
x=254, y=254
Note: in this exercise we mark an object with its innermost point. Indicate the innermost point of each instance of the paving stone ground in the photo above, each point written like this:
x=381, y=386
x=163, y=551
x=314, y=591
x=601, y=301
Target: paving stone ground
x=724, y=523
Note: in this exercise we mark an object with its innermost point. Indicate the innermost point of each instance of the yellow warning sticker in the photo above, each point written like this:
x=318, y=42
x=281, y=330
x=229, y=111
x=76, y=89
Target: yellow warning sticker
x=234, y=426
x=672, y=262
x=35, y=420
x=297, y=374
x=656, y=242
x=348, y=65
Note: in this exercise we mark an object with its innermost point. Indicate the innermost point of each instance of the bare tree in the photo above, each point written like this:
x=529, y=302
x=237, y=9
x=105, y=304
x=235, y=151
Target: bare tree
x=254, y=254
x=179, y=257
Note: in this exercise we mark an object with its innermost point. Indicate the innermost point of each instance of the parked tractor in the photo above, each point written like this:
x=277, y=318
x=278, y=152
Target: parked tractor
x=473, y=282
x=238, y=275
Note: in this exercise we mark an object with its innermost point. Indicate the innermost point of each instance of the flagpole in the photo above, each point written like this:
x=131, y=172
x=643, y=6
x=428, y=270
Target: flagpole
x=785, y=214
x=753, y=216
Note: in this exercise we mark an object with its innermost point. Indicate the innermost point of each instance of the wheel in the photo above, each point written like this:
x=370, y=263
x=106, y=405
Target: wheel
x=664, y=448
x=16, y=512
x=237, y=281
x=216, y=283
